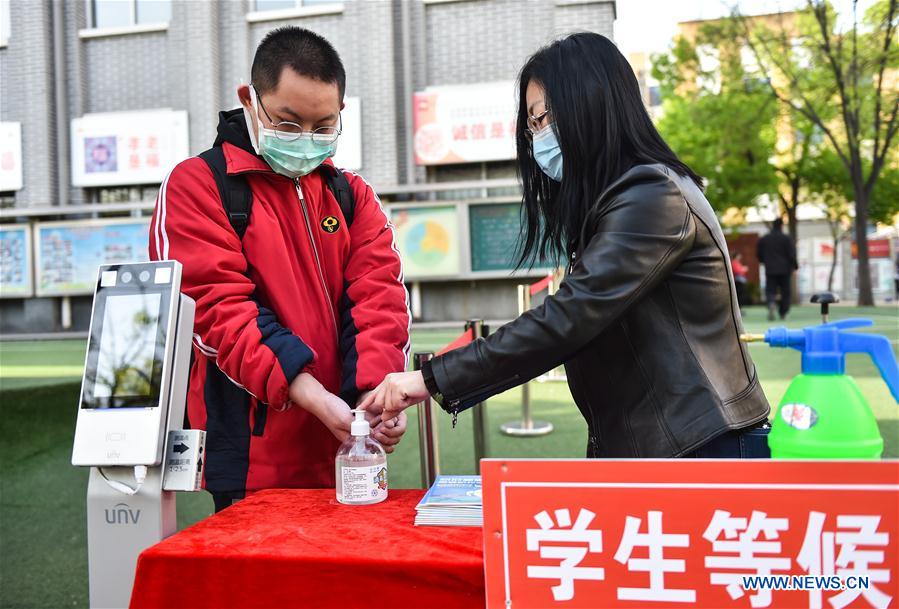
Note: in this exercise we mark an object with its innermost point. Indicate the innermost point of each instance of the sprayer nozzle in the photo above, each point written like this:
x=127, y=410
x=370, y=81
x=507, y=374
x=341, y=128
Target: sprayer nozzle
x=752, y=338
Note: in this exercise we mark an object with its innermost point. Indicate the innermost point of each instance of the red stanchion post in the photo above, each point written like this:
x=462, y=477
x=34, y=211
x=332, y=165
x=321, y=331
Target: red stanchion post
x=556, y=374
x=427, y=432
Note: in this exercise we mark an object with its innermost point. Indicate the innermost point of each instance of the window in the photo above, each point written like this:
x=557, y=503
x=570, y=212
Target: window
x=124, y=194
x=280, y=5
x=709, y=76
x=127, y=13
x=4, y=22
x=749, y=60
x=801, y=53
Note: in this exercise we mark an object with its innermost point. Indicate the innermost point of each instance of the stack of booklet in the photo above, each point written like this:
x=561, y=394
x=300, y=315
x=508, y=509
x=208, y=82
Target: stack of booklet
x=453, y=501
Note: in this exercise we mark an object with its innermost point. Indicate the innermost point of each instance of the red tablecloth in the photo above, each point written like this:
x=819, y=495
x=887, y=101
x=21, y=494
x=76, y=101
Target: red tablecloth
x=300, y=548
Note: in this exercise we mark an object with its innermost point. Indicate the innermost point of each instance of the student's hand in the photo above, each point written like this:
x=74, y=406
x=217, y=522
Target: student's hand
x=390, y=432
x=396, y=392
x=307, y=393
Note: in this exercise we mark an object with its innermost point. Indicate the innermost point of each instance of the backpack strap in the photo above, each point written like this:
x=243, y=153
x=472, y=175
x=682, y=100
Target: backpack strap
x=340, y=188
x=237, y=198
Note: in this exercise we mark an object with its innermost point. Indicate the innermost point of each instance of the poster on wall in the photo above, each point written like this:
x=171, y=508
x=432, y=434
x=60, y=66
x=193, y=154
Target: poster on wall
x=805, y=278
x=428, y=239
x=68, y=253
x=15, y=262
x=821, y=276
x=10, y=156
x=349, y=144
x=882, y=276
x=495, y=230
x=465, y=123
x=822, y=250
x=118, y=148
x=822, y=260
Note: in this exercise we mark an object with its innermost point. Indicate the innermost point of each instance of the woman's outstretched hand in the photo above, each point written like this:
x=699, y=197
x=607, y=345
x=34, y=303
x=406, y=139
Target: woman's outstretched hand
x=396, y=392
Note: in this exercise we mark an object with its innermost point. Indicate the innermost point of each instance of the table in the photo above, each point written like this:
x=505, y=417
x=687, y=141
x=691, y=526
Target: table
x=300, y=548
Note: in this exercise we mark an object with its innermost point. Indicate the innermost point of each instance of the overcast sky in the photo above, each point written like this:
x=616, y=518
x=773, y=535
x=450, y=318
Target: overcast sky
x=649, y=25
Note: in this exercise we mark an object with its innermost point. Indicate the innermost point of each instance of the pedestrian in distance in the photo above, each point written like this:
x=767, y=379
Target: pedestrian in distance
x=741, y=278
x=778, y=253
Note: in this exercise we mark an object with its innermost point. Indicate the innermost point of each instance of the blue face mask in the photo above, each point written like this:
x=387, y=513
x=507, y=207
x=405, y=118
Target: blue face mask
x=547, y=152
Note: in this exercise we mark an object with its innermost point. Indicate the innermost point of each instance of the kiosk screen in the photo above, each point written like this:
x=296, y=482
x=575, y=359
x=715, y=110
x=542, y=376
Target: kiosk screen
x=125, y=355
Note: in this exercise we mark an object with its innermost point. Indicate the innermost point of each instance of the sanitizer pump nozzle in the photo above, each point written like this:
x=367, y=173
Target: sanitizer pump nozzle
x=360, y=426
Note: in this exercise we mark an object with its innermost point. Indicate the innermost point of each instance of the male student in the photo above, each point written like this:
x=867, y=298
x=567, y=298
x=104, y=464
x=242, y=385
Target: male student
x=301, y=306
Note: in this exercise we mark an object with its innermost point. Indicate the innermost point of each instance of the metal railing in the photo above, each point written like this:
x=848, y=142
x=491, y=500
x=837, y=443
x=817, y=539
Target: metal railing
x=479, y=411
x=429, y=450
x=526, y=426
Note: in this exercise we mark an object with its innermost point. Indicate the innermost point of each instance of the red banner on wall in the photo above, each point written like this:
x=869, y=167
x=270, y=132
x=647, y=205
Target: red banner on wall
x=636, y=533
x=877, y=248
x=465, y=123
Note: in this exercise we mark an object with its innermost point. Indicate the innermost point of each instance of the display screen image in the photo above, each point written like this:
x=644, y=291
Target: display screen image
x=125, y=362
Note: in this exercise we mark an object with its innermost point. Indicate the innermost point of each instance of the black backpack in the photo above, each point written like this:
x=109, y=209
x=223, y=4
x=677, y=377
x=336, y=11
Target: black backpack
x=237, y=198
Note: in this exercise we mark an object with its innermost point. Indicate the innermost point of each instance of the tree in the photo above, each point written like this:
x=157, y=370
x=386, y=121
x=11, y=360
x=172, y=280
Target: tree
x=831, y=187
x=829, y=184
x=885, y=195
x=717, y=119
x=860, y=64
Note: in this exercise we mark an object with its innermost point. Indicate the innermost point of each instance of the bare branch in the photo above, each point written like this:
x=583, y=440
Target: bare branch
x=808, y=108
x=889, y=32
x=880, y=156
x=854, y=67
x=820, y=12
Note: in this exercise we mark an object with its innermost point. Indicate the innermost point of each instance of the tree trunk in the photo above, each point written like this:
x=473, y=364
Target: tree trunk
x=833, y=263
x=865, y=294
x=793, y=230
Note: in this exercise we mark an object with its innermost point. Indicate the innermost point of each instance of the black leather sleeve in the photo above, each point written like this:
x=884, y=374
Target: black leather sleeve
x=643, y=229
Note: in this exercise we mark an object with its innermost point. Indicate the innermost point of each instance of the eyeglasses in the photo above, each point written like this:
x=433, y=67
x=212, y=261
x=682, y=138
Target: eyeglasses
x=288, y=131
x=535, y=121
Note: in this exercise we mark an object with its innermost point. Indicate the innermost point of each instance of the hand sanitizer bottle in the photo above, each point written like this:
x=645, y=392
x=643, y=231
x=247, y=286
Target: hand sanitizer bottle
x=361, y=466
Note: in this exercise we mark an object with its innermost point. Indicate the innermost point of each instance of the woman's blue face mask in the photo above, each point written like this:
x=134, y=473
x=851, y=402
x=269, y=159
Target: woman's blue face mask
x=547, y=152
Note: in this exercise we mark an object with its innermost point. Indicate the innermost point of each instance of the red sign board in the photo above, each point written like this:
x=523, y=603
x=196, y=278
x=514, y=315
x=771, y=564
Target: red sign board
x=465, y=123
x=677, y=533
x=877, y=248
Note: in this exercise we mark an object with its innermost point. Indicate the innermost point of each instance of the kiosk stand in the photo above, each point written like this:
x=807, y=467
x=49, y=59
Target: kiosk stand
x=132, y=396
x=119, y=528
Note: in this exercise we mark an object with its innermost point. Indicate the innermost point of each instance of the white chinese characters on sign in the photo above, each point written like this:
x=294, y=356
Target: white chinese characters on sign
x=571, y=556
x=741, y=548
x=747, y=554
x=656, y=565
x=819, y=556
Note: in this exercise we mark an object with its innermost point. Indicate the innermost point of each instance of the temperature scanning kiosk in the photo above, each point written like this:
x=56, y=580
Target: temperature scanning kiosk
x=132, y=395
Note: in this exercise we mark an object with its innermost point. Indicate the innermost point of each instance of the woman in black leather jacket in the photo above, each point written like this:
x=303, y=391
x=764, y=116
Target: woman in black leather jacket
x=646, y=321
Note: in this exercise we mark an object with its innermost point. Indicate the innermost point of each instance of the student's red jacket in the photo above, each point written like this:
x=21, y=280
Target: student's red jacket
x=290, y=297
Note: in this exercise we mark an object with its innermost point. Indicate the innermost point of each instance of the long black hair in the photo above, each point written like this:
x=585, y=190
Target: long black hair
x=603, y=130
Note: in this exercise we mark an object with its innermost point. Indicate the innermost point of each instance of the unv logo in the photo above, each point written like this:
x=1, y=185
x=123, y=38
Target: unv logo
x=121, y=513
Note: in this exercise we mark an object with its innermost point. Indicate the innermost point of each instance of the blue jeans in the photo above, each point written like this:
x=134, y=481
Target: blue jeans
x=749, y=443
